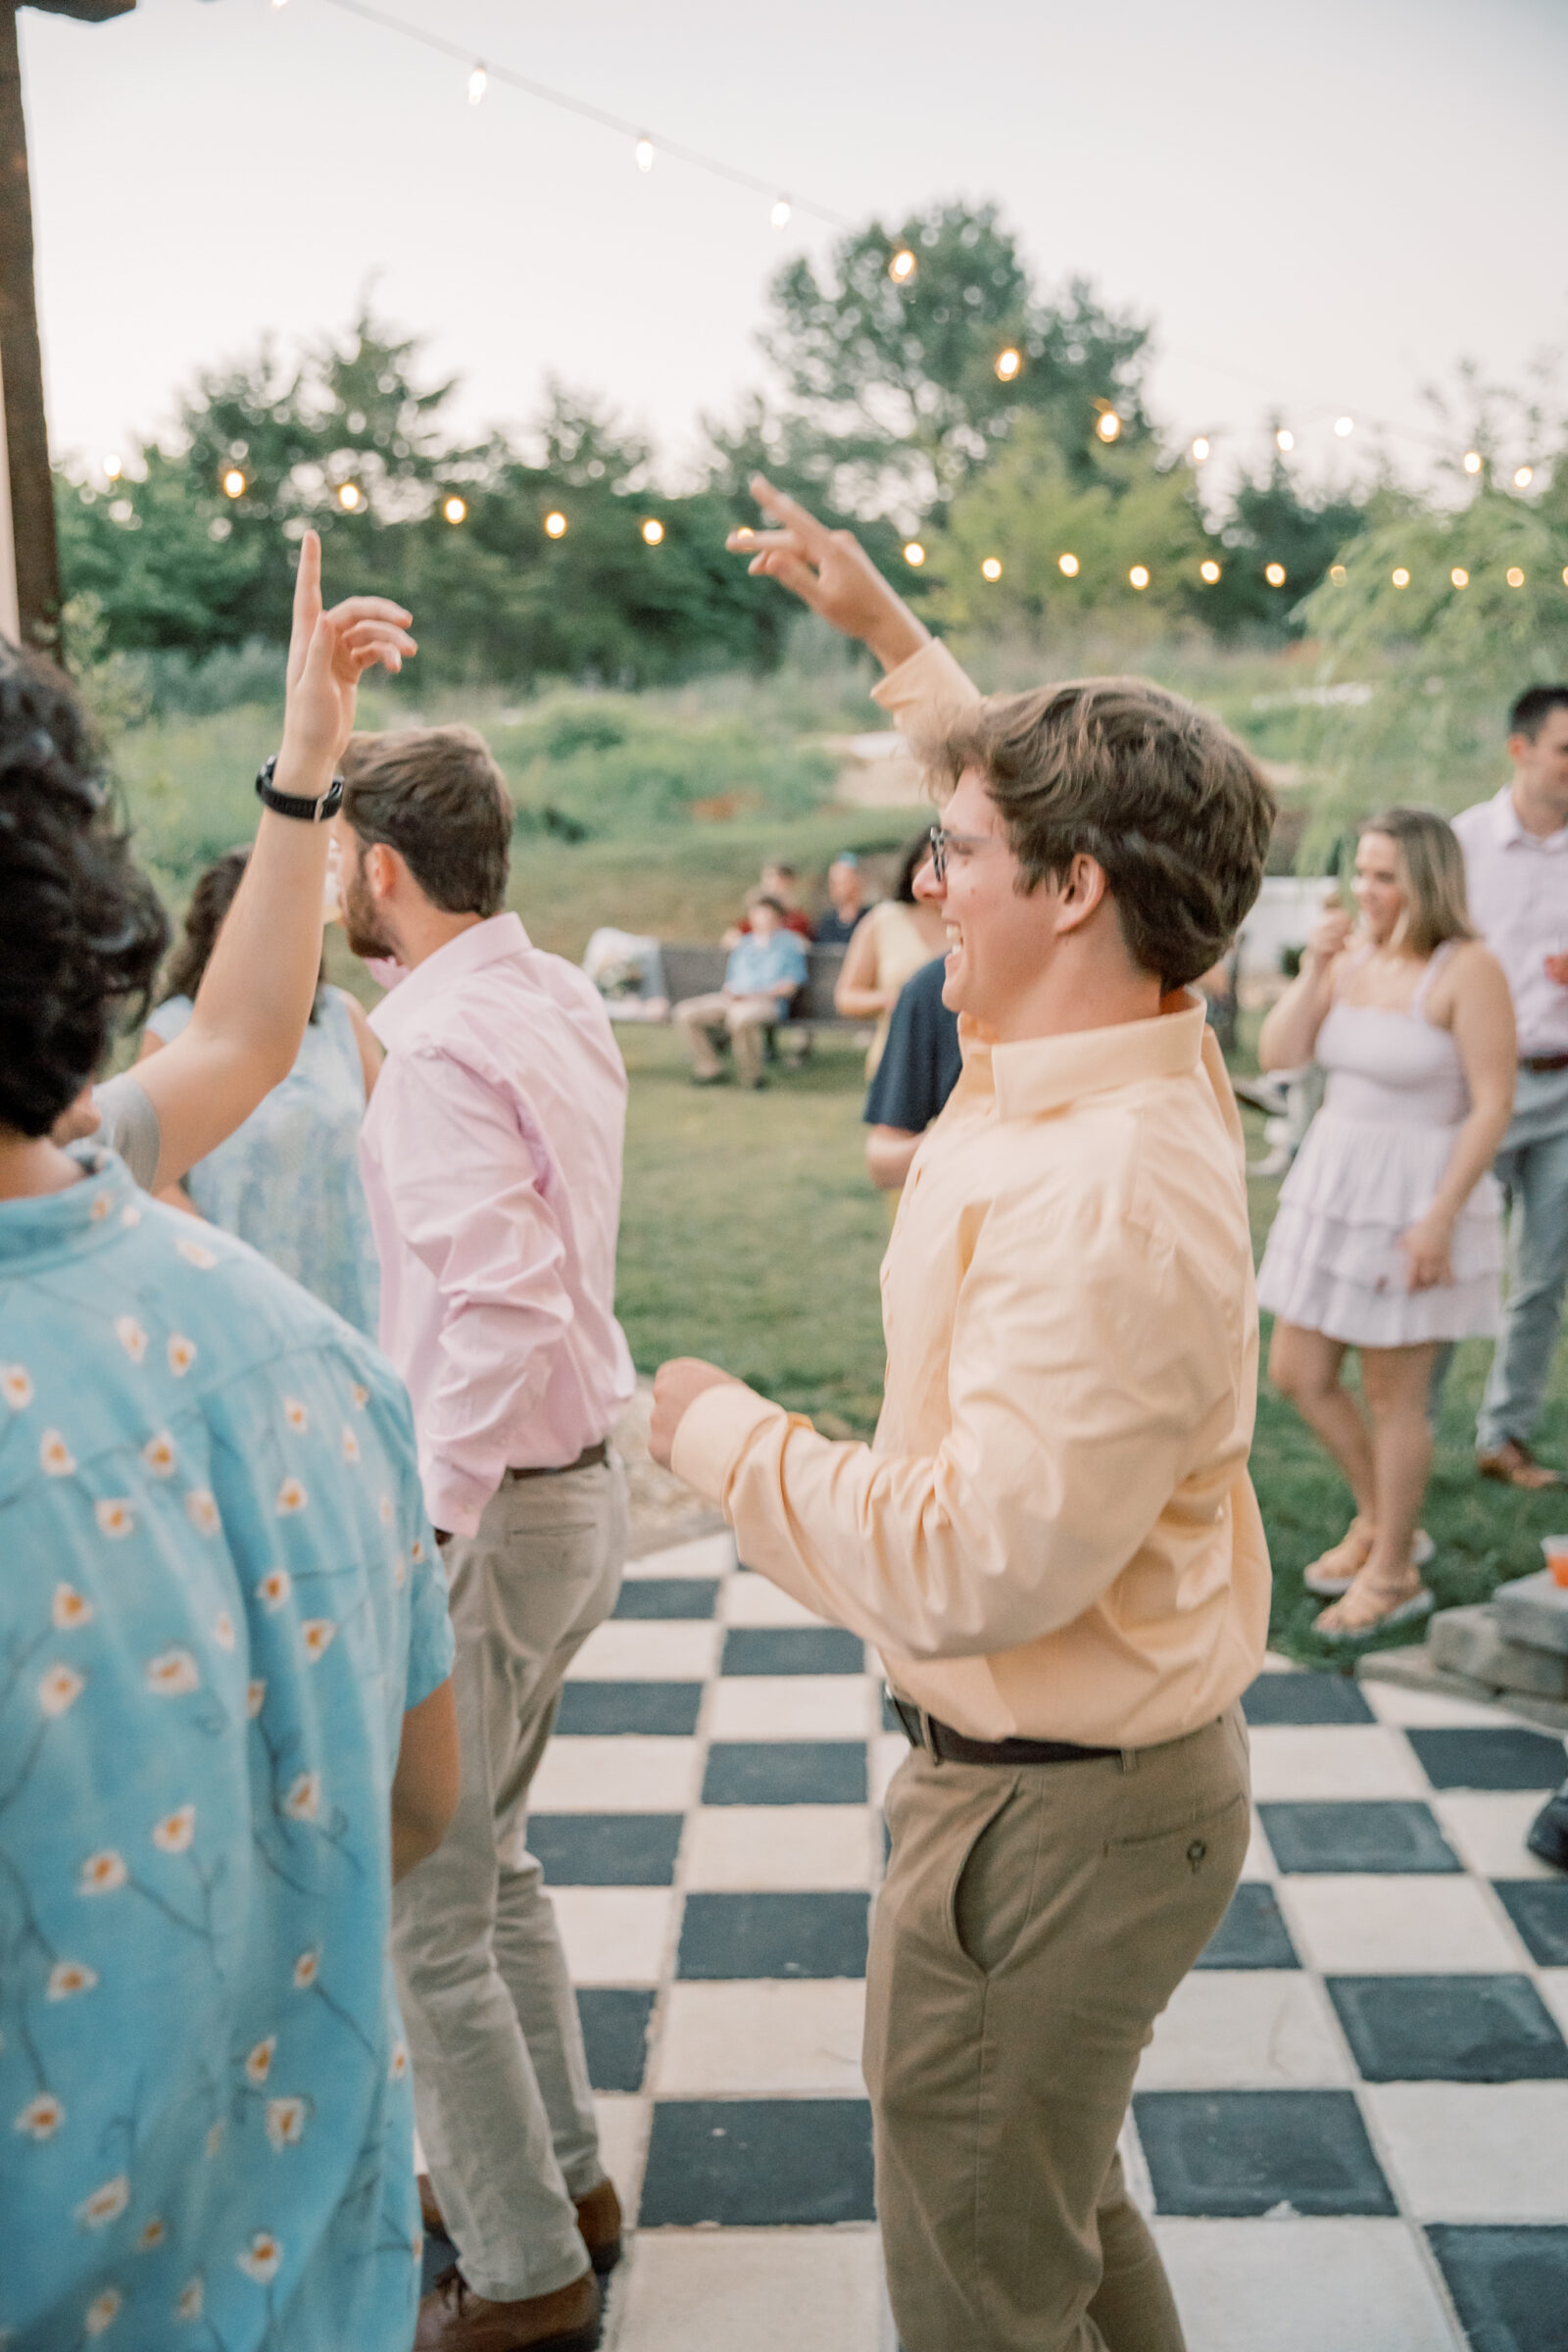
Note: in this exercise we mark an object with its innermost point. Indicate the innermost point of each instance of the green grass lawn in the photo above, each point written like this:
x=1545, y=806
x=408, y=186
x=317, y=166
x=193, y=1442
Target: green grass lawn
x=750, y=1235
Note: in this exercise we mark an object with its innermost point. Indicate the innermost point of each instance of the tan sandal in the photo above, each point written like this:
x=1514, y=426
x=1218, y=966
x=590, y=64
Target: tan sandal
x=1340, y=1622
x=1329, y=1583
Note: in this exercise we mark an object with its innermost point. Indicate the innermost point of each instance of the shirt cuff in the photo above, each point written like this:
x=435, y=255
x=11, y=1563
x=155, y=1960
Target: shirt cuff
x=456, y=1500
x=930, y=687
x=713, y=1432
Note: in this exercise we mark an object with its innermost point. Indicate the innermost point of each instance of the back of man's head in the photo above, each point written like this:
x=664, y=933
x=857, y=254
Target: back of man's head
x=436, y=795
x=1163, y=797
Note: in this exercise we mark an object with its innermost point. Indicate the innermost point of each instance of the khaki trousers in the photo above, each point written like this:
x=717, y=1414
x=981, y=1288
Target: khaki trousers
x=499, y=2081
x=747, y=1019
x=1032, y=1925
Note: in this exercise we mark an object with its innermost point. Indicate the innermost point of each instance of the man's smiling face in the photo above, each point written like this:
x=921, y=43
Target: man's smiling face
x=1000, y=938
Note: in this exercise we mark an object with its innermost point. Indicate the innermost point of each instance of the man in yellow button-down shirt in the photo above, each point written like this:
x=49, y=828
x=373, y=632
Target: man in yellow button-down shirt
x=1053, y=1539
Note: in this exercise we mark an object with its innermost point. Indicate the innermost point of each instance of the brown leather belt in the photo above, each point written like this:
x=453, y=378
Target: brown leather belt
x=1543, y=1061
x=949, y=1747
x=590, y=1458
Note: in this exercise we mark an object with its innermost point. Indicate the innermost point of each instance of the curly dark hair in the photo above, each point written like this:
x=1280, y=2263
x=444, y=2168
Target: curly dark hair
x=82, y=928
x=913, y=854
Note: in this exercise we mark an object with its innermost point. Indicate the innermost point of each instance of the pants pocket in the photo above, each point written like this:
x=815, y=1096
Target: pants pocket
x=988, y=1905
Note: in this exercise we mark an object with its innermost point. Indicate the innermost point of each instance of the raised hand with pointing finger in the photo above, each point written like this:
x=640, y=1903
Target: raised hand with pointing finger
x=831, y=572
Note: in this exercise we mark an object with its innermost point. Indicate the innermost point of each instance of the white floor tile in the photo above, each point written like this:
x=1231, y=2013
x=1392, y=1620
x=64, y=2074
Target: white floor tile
x=1245, y=2029
x=735, y=1847
x=1430, y=1710
x=754, y=1600
x=1299, y=2285
x=708, y=1555
x=888, y=1751
x=789, y=1706
x=1296, y=1763
x=1400, y=1925
x=1485, y=1828
x=750, y=2290
x=615, y=1934
x=631, y=1774
x=1259, y=1862
x=642, y=1650
x=1473, y=2151
x=623, y=2126
x=762, y=2038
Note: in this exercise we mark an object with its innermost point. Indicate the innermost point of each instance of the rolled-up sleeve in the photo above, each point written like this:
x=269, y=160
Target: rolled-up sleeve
x=466, y=1192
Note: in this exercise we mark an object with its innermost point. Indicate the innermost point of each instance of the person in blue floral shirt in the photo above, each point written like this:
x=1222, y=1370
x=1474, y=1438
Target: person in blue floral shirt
x=225, y=1719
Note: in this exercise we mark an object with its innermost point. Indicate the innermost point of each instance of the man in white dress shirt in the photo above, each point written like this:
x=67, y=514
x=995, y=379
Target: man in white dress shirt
x=1516, y=863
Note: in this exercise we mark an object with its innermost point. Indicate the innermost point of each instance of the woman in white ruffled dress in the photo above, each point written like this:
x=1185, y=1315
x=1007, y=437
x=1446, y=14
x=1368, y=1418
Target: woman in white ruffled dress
x=1389, y=1236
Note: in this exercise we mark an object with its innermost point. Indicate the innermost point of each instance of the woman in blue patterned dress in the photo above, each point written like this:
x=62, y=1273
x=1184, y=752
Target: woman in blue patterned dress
x=288, y=1180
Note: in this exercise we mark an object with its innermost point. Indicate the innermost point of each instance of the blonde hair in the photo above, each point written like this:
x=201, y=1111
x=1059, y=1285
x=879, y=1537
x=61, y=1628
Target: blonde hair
x=1437, y=905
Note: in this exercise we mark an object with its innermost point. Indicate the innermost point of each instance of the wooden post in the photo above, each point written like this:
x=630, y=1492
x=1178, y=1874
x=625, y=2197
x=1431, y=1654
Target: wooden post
x=32, y=509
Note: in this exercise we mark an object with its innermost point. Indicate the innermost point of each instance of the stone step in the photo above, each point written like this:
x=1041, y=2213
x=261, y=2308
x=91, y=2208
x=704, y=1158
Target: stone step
x=1416, y=1670
x=1534, y=1610
x=1472, y=1642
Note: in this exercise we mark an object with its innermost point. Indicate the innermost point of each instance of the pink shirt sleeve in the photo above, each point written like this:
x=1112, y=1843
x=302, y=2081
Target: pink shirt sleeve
x=464, y=1189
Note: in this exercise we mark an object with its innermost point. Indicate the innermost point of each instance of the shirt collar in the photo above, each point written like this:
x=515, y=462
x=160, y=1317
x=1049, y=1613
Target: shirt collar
x=50, y=1224
x=490, y=942
x=1509, y=830
x=1042, y=1074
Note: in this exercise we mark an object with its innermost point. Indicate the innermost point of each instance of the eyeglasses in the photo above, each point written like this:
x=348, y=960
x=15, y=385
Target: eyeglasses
x=942, y=841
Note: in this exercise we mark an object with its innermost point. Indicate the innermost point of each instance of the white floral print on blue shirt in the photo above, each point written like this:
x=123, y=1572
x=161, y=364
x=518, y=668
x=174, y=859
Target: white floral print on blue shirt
x=219, y=1596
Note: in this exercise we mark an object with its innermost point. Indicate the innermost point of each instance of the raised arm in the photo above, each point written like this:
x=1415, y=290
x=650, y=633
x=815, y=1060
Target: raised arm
x=255, y=1000
x=831, y=572
x=1289, y=1035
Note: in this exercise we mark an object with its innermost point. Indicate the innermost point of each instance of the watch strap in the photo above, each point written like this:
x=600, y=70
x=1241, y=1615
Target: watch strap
x=294, y=804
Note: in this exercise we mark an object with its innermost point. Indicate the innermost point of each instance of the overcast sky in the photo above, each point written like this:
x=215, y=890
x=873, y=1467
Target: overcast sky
x=1321, y=206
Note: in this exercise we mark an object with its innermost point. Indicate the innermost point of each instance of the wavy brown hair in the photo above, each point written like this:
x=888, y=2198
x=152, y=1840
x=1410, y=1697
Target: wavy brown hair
x=209, y=903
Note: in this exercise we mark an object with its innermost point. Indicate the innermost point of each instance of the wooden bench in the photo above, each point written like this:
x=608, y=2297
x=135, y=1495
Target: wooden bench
x=697, y=971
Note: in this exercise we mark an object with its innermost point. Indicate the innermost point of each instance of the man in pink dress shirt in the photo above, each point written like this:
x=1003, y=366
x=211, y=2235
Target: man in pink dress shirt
x=492, y=1159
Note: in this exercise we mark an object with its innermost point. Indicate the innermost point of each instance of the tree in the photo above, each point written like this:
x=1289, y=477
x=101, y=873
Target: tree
x=1269, y=521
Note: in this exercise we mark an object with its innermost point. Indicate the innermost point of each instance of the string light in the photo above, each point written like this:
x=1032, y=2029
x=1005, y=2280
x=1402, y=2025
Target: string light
x=1524, y=476
x=112, y=468
x=1401, y=578
x=1516, y=578
x=1337, y=572
x=745, y=531
x=555, y=525
x=991, y=568
x=1472, y=461
x=1009, y=363
x=1068, y=564
x=913, y=553
x=349, y=496
x=455, y=508
x=1565, y=575
x=653, y=531
x=1139, y=575
x=1209, y=571
x=1285, y=438
x=478, y=83
x=903, y=266
x=1200, y=450
x=780, y=213
x=233, y=483
x=1459, y=577
x=1109, y=426
x=1274, y=574
x=645, y=154
x=1345, y=427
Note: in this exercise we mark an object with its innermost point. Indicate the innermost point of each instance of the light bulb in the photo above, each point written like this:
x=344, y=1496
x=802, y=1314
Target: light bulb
x=349, y=496
x=1109, y=426
x=1345, y=427
x=1459, y=577
x=1200, y=449
x=1285, y=438
x=1069, y=564
x=653, y=531
x=645, y=155
x=1516, y=578
x=1524, y=476
x=455, y=508
x=780, y=213
x=112, y=468
x=903, y=266
x=233, y=483
x=478, y=83
x=1139, y=575
x=1472, y=461
x=913, y=553
x=1337, y=572
x=1209, y=571
x=1274, y=574
x=1401, y=578
x=555, y=525
x=1008, y=363
x=991, y=568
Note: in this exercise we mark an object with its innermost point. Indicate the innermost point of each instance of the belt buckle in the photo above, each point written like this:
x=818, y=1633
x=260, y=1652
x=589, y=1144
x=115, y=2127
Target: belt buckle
x=915, y=1721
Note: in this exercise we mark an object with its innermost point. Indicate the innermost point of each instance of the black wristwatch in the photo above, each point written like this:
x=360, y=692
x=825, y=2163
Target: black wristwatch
x=294, y=804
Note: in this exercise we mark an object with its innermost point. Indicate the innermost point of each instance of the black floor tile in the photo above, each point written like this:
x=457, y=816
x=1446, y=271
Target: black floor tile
x=1538, y=1909
x=792, y=1649
x=1251, y=1934
x=1494, y=2029
x=724, y=1937
x=1243, y=2152
x=667, y=1708
x=1510, y=2285
x=667, y=1596
x=1393, y=1835
x=750, y=2164
x=1305, y=1698
x=614, y=2033
x=785, y=1772
x=1507, y=1757
x=606, y=1850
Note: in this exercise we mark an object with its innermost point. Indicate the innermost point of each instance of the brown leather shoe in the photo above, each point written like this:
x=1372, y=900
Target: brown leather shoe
x=598, y=2220
x=453, y=2319
x=1515, y=1465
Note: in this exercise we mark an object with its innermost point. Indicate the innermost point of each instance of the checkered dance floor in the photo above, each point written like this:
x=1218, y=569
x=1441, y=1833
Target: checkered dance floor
x=1352, y=2124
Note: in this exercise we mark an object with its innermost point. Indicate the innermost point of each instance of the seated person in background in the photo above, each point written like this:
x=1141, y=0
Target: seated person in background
x=227, y=1722
x=288, y=1180
x=918, y=1071
x=252, y=1007
x=765, y=971
x=781, y=881
x=889, y=947
x=847, y=901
